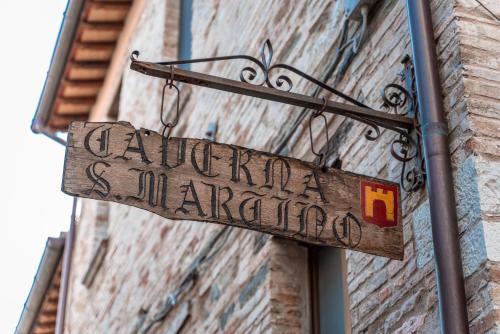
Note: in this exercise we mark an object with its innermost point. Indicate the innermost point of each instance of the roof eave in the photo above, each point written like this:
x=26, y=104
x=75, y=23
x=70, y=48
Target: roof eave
x=46, y=269
x=60, y=55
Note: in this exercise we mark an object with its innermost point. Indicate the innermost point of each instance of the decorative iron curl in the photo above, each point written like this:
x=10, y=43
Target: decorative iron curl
x=396, y=98
x=404, y=148
x=374, y=133
x=134, y=55
x=249, y=74
x=413, y=179
x=407, y=150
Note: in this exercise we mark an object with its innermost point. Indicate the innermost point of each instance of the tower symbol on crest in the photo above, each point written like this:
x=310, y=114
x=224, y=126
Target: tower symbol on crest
x=379, y=203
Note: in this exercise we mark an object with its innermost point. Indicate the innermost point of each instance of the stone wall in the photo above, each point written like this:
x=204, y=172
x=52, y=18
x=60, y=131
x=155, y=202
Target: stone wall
x=479, y=44
x=260, y=284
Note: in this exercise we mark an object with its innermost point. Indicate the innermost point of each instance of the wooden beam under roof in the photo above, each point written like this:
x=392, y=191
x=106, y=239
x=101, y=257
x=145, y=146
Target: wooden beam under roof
x=115, y=11
x=86, y=71
x=50, y=312
x=93, y=52
x=78, y=89
x=74, y=106
x=47, y=318
x=99, y=28
x=100, y=32
x=45, y=330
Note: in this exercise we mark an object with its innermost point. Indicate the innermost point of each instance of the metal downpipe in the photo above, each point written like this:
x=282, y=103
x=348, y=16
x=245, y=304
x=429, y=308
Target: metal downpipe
x=452, y=302
x=65, y=274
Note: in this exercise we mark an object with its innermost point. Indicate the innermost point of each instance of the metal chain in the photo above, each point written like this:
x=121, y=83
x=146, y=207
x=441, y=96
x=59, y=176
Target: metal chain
x=170, y=125
x=322, y=156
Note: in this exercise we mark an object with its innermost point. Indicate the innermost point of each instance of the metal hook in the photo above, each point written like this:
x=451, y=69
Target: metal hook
x=321, y=156
x=169, y=125
x=171, y=76
x=322, y=110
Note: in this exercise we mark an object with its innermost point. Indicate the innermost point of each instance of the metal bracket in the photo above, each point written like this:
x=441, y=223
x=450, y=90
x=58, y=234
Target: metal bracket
x=407, y=148
x=259, y=84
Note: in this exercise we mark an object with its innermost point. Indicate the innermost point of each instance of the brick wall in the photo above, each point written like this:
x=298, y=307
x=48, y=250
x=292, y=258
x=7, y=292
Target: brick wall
x=260, y=284
x=479, y=39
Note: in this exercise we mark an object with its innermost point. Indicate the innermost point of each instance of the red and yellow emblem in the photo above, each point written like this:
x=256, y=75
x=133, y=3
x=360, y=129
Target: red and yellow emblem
x=379, y=203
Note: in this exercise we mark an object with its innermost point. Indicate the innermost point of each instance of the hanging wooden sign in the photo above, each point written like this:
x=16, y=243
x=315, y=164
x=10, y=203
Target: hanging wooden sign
x=194, y=179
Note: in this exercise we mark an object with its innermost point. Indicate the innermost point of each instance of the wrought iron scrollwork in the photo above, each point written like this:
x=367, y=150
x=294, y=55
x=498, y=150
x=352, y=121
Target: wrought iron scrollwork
x=407, y=146
x=396, y=97
x=249, y=74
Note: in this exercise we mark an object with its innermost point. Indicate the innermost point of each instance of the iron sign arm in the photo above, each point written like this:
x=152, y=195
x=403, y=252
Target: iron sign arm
x=405, y=148
x=362, y=114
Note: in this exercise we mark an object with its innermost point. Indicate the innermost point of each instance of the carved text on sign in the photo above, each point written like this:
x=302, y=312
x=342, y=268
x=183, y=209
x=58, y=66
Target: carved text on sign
x=192, y=179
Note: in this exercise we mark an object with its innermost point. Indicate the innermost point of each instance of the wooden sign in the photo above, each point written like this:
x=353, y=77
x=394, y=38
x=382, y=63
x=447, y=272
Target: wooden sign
x=193, y=179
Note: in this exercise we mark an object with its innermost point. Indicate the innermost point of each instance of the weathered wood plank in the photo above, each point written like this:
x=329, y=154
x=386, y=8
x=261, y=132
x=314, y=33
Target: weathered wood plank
x=193, y=179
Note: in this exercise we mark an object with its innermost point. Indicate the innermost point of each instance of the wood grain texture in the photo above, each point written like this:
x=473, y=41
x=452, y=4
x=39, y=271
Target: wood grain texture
x=194, y=179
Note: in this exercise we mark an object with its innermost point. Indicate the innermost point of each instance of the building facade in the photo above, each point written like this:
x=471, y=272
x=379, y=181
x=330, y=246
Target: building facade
x=133, y=271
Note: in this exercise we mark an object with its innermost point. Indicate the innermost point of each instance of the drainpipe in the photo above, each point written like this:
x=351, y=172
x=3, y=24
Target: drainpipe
x=63, y=293
x=452, y=303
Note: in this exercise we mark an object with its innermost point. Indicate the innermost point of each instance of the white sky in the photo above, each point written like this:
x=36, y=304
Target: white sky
x=32, y=206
